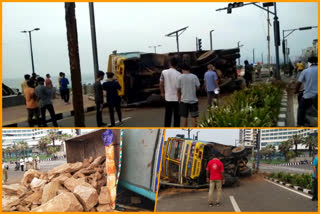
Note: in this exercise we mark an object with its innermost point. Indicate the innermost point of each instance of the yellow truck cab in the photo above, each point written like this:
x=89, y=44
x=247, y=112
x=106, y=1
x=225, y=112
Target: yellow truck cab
x=184, y=161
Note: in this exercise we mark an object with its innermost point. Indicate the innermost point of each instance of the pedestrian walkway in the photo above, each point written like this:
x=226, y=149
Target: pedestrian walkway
x=18, y=114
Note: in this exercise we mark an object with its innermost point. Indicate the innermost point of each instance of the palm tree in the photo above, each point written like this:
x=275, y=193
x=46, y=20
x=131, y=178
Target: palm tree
x=263, y=152
x=285, y=147
x=311, y=142
x=43, y=144
x=296, y=140
x=270, y=150
x=22, y=147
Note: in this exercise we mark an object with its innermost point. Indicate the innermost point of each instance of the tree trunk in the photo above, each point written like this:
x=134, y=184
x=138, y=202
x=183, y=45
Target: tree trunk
x=310, y=151
x=74, y=59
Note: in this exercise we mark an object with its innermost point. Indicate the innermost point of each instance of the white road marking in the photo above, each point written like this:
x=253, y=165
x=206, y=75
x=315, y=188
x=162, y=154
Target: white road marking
x=289, y=189
x=234, y=204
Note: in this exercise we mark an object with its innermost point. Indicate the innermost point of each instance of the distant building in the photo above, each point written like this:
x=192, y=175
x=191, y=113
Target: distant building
x=247, y=137
x=272, y=136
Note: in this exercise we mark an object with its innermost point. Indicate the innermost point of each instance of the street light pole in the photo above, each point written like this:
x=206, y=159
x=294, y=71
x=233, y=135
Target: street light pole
x=284, y=41
x=239, y=46
x=211, y=39
x=154, y=47
x=31, y=51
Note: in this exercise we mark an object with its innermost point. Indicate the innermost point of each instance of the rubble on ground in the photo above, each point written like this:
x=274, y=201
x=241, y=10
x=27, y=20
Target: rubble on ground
x=71, y=187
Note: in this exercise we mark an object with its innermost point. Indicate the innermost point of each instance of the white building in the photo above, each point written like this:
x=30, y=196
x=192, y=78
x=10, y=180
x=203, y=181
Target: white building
x=271, y=136
x=276, y=136
x=247, y=137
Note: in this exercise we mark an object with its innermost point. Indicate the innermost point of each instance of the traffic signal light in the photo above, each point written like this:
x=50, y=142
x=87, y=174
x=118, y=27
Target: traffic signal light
x=233, y=5
x=200, y=44
x=267, y=4
x=283, y=47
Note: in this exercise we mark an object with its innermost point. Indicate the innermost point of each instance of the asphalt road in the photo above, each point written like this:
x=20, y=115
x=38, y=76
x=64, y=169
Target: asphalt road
x=148, y=116
x=255, y=194
x=16, y=176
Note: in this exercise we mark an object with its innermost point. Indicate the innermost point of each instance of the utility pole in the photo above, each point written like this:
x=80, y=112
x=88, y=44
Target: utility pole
x=177, y=33
x=93, y=40
x=262, y=58
x=268, y=38
x=197, y=44
x=239, y=46
x=253, y=60
x=276, y=26
x=72, y=37
x=211, y=39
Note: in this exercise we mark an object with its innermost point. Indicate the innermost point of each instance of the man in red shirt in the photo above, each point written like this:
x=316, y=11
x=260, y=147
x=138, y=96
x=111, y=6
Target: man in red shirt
x=215, y=173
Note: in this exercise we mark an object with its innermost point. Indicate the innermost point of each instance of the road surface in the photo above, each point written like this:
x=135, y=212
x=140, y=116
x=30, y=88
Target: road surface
x=255, y=194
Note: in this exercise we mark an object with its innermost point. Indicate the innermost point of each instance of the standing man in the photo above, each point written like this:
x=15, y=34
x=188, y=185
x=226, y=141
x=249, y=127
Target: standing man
x=31, y=103
x=37, y=163
x=59, y=78
x=26, y=163
x=48, y=81
x=44, y=97
x=30, y=161
x=22, y=163
x=215, y=174
x=98, y=98
x=168, y=88
x=188, y=84
x=113, y=99
x=211, y=84
x=64, y=88
x=24, y=83
x=309, y=78
x=315, y=179
x=248, y=72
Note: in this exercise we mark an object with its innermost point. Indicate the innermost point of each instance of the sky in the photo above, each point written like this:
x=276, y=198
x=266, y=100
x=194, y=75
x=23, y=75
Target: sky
x=222, y=136
x=129, y=27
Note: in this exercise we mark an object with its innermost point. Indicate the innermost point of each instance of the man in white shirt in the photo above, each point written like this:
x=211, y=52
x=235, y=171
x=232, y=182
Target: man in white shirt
x=22, y=163
x=168, y=88
x=30, y=160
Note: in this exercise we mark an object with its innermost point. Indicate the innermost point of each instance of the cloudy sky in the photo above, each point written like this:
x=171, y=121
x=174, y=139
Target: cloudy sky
x=223, y=136
x=129, y=27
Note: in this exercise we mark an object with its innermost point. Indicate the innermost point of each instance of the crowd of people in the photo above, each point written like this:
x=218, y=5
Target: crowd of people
x=38, y=93
x=179, y=90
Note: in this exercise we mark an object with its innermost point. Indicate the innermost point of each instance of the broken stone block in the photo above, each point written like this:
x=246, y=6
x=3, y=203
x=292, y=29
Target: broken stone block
x=65, y=202
x=85, y=163
x=50, y=191
x=71, y=183
x=37, y=183
x=91, y=159
x=96, y=162
x=88, y=196
x=104, y=208
x=33, y=206
x=93, y=209
x=14, y=189
x=9, y=201
x=22, y=208
x=29, y=175
x=61, y=178
x=33, y=198
x=104, y=197
x=68, y=167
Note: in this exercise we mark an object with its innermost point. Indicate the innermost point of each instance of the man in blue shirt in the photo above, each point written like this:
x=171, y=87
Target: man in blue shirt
x=315, y=179
x=211, y=84
x=64, y=88
x=309, y=78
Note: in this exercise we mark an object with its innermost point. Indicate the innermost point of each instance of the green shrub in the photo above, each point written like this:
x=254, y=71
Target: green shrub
x=257, y=106
x=302, y=180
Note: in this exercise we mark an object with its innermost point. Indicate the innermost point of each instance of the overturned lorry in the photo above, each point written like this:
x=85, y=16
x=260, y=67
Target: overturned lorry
x=184, y=162
x=139, y=73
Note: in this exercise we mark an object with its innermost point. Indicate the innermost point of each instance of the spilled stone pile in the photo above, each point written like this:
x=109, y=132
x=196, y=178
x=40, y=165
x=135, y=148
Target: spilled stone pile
x=71, y=187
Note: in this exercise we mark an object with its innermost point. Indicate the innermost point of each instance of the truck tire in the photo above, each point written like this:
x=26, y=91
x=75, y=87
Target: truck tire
x=238, y=150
